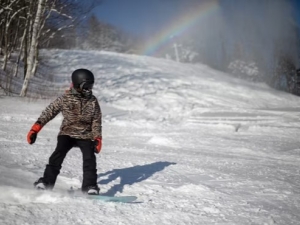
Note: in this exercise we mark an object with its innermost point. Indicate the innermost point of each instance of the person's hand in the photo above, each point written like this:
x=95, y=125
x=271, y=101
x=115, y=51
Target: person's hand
x=32, y=134
x=98, y=144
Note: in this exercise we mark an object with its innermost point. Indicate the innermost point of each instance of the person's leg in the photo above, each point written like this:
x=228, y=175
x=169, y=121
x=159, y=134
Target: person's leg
x=64, y=144
x=89, y=165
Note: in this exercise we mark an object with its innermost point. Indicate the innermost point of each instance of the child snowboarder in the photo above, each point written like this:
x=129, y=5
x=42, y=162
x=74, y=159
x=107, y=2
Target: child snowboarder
x=81, y=127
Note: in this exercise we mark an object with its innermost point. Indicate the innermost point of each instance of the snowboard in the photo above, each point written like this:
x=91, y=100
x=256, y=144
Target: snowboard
x=104, y=198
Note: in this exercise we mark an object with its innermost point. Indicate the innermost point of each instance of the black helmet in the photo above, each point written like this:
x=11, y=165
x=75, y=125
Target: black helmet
x=83, y=79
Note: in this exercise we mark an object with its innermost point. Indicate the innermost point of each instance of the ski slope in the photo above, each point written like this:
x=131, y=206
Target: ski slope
x=193, y=144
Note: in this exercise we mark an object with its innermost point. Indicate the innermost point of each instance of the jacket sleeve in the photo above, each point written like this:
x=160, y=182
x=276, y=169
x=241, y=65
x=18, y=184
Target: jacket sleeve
x=97, y=121
x=50, y=112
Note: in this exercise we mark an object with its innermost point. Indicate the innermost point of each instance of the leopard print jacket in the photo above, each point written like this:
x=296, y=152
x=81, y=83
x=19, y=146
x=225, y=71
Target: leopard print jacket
x=82, y=117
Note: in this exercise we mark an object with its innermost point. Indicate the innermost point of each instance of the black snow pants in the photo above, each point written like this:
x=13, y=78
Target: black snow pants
x=64, y=144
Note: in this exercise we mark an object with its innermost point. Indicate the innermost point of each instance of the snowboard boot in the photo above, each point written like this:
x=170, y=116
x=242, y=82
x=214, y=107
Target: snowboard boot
x=93, y=190
x=41, y=185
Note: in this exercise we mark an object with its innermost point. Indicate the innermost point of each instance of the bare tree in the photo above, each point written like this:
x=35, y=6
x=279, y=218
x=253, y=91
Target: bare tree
x=24, y=27
x=22, y=42
x=7, y=35
x=33, y=47
x=65, y=16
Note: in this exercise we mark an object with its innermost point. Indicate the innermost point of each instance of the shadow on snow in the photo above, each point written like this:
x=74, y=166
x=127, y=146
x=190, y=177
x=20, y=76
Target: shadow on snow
x=131, y=175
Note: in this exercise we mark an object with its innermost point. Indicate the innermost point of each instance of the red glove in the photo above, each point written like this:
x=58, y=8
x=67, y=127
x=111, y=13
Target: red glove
x=98, y=144
x=31, y=136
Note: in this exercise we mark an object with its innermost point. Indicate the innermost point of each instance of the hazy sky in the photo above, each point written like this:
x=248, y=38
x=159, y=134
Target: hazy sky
x=139, y=16
x=146, y=16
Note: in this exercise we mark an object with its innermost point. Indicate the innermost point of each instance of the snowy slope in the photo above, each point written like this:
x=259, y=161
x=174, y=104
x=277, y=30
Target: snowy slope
x=193, y=144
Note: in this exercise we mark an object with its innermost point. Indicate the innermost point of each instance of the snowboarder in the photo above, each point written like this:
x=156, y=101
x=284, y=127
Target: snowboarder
x=81, y=127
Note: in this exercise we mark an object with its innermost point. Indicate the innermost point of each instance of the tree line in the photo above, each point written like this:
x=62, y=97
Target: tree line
x=26, y=26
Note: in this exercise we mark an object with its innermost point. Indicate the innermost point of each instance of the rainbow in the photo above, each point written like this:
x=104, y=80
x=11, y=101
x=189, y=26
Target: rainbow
x=181, y=25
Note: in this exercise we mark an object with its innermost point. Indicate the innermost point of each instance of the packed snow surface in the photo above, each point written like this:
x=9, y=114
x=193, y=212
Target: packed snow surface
x=193, y=144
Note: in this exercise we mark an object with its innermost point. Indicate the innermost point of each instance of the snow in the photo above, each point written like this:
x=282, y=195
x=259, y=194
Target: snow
x=195, y=145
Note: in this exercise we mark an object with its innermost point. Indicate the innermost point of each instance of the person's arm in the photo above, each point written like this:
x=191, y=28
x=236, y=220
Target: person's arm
x=97, y=127
x=48, y=114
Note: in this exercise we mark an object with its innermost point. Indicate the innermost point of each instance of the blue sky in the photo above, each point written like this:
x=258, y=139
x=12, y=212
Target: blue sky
x=138, y=16
x=297, y=8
